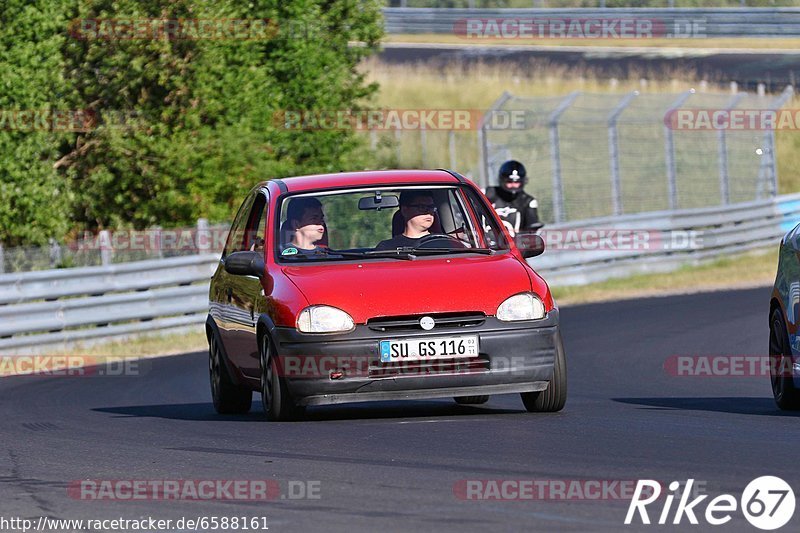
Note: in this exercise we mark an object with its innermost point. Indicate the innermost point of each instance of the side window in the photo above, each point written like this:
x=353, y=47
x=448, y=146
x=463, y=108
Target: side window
x=491, y=230
x=236, y=236
x=257, y=224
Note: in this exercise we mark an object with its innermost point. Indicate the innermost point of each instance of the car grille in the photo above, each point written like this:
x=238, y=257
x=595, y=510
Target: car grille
x=426, y=368
x=411, y=322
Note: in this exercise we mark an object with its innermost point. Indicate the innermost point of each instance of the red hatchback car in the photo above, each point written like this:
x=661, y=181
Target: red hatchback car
x=373, y=286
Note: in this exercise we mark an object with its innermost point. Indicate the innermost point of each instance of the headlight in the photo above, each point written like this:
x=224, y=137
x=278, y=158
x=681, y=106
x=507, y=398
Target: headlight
x=324, y=319
x=525, y=306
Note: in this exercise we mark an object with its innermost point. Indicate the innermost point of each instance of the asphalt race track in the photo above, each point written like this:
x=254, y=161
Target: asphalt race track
x=393, y=466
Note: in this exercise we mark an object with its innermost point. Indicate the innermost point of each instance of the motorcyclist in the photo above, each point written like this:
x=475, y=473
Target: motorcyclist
x=517, y=209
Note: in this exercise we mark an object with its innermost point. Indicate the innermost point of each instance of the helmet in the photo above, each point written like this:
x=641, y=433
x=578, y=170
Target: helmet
x=512, y=177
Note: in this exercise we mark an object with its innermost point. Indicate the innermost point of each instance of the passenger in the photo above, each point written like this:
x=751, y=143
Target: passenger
x=305, y=222
x=417, y=209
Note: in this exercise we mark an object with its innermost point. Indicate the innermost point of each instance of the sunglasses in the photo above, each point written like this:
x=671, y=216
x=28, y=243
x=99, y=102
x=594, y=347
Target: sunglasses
x=423, y=208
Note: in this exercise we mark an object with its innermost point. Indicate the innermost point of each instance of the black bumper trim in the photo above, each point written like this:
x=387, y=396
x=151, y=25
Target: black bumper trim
x=424, y=394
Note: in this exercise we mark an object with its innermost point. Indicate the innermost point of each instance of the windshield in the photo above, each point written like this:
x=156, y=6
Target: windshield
x=390, y=222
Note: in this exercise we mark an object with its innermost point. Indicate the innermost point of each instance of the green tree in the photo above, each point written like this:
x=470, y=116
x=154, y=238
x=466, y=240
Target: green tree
x=35, y=199
x=199, y=113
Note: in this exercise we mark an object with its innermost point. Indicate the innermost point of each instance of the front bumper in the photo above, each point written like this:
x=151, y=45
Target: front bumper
x=514, y=357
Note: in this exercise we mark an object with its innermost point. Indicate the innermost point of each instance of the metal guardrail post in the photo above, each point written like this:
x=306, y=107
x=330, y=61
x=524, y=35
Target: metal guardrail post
x=2, y=260
x=203, y=236
x=106, y=253
x=555, y=155
x=722, y=154
x=451, y=148
x=669, y=152
x=613, y=151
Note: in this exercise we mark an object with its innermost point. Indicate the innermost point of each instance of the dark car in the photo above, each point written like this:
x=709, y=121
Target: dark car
x=378, y=285
x=784, y=308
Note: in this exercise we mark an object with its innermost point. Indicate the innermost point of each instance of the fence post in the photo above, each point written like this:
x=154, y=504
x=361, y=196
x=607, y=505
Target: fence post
x=203, y=236
x=483, y=141
x=423, y=141
x=555, y=155
x=722, y=155
x=669, y=152
x=55, y=253
x=158, y=234
x=397, y=139
x=771, y=176
x=451, y=146
x=613, y=150
x=2, y=260
x=104, y=239
x=373, y=139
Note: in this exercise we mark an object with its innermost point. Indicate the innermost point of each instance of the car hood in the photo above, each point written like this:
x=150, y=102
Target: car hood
x=379, y=288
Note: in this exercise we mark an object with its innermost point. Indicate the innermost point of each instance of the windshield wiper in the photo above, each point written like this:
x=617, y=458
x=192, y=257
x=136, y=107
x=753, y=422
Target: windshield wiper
x=423, y=251
x=404, y=252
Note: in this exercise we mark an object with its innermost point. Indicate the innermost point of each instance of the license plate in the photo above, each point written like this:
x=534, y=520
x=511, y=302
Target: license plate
x=428, y=348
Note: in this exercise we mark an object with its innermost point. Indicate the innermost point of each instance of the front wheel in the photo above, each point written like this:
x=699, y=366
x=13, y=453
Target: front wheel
x=278, y=404
x=780, y=368
x=554, y=397
x=228, y=397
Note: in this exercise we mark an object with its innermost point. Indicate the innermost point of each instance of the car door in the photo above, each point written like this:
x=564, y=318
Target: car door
x=244, y=292
x=222, y=309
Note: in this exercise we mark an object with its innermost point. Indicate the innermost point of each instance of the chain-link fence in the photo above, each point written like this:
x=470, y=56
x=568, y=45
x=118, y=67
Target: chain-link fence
x=110, y=247
x=592, y=155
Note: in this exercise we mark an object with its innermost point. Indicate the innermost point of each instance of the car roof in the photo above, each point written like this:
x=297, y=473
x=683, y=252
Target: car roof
x=365, y=178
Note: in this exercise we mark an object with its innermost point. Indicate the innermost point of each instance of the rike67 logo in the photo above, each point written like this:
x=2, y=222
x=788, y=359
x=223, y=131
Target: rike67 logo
x=767, y=503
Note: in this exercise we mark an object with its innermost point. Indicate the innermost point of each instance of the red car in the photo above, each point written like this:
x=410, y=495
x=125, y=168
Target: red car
x=374, y=286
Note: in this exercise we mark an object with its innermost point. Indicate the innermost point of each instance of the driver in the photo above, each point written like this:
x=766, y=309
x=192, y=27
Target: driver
x=417, y=209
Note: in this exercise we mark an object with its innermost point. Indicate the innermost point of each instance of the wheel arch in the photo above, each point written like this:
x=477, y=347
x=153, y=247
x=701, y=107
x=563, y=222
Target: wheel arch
x=213, y=330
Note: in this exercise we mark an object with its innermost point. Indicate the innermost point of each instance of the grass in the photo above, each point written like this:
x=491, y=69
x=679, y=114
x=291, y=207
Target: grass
x=135, y=347
x=110, y=352
x=717, y=42
x=750, y=270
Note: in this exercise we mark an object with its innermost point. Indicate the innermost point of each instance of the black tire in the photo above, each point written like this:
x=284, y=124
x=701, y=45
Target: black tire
x=780, y=369
x=275, y=398
x=228, y=397
x=554, y=397
x=471, y=400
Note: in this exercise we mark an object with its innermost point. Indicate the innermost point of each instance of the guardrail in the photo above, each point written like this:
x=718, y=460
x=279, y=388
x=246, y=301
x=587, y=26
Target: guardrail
x=667, y=240
x=53, y=307
x=713, y=22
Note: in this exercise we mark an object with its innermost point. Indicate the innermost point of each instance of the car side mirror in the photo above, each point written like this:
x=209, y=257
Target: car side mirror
x=245, y=264
x=530, y=244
